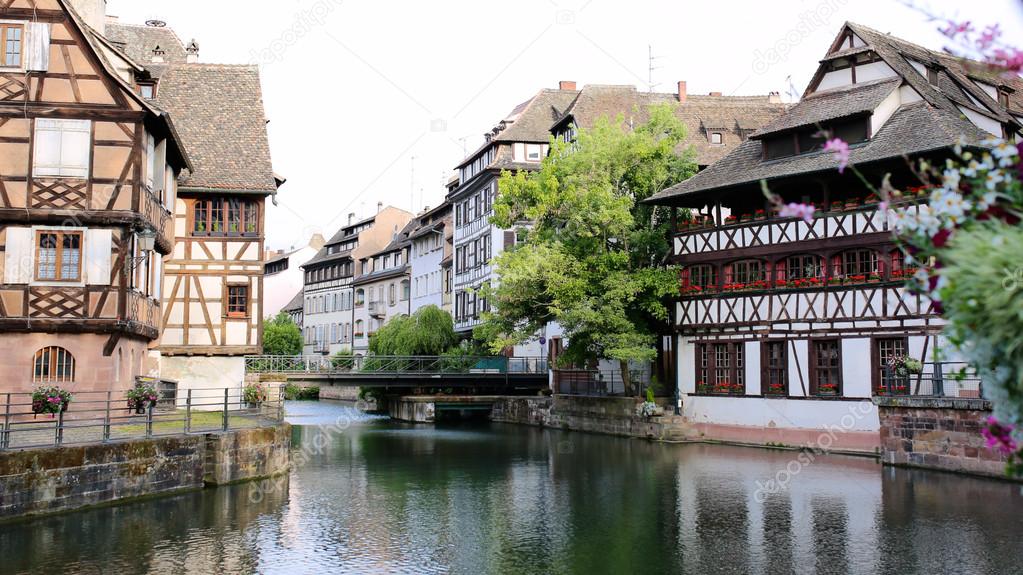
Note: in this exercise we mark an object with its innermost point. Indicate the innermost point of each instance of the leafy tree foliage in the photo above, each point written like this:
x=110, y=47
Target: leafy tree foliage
x=429, y=331
x=281, y=336
x=593, y=255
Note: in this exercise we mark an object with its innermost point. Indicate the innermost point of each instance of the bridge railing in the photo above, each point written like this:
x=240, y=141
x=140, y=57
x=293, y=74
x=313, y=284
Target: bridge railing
x=395, y=365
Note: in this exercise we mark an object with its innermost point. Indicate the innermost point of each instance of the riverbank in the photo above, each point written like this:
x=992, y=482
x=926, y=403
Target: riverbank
x=60, y=479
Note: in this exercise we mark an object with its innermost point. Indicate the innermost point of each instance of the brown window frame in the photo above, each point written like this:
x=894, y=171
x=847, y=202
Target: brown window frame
x=733, y=271
x=874, y=257
x=815, y=367
x=708, y=370
x=878, y=362
x=51, y=356
x=790, y=270
x=220, y=211
x=688, y=276
x=767, y=370
x=59, y=258
x=230, y=305
x=5, y=29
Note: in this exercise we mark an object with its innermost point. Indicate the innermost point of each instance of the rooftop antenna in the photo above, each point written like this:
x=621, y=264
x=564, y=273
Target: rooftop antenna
x=651, y=60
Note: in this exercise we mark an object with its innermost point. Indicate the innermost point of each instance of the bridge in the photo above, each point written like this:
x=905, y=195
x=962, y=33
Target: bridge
x=480, y=374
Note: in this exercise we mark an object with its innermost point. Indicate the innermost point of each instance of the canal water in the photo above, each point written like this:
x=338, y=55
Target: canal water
x=368, y=495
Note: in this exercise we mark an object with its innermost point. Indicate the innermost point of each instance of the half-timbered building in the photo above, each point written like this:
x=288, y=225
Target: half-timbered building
x=213, y=285
x=88, y=172
x=783, y=322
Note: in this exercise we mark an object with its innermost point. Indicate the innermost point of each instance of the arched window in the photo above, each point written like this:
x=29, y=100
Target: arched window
x=701, y=276
x=746, y=272
x=359, y=329
x=360, y=297
x=405, y=287
x=803, y=266
x=859, y=262
x=53, y=365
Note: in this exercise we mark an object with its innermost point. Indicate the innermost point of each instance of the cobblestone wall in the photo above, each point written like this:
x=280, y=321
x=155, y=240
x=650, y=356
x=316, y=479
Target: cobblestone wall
x=937, y=433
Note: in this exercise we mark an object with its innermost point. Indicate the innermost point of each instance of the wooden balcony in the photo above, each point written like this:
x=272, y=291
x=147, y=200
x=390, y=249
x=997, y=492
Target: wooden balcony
x=90, y=309
x=160, y=218
x=706, y=238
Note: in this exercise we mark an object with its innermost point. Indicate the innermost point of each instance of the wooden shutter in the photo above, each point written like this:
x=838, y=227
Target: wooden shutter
x=509, y=239
x=19, y=256
x=37, y=47
x=97, y=257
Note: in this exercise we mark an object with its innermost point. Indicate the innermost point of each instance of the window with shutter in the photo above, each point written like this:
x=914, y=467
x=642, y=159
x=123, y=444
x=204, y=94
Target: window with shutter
x=62, y=148
x=12, y=37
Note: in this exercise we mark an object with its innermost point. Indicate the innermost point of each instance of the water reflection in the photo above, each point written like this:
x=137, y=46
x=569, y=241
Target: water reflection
x=381, y=497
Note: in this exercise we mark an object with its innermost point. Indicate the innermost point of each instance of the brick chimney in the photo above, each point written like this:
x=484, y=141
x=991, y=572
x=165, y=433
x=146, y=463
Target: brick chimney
x=715, y=94
x=566, y=85
x=193, y=52
x=380, y=207
x=351, y=218
x=682, y=95
x=93, y=12
x=316, y=242
x=774, y=98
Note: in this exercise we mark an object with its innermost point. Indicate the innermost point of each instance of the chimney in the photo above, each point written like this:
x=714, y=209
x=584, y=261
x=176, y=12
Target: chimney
x=566, y=85
x=682, y=95
x=351, y=218
x=193, y=52
x=93, y=12
x=316, y=242
x=715, y=94
x=380, y=207
x=774, y=98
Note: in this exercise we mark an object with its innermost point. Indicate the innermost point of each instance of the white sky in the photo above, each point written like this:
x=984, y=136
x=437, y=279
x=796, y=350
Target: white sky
x=354, y=89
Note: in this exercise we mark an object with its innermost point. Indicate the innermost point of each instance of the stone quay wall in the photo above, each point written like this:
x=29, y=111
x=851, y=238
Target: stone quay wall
x=606, y=415
x=937, y=433
x=55, y=480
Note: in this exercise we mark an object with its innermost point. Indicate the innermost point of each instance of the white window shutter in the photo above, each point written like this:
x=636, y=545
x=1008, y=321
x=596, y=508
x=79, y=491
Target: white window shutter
x=19, y=256
x=97, y=257
x=74, y=148
x=46, y=156
x=37, y=47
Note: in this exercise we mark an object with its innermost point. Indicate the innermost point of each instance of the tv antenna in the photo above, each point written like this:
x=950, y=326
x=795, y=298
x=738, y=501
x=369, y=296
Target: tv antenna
x=651, y=61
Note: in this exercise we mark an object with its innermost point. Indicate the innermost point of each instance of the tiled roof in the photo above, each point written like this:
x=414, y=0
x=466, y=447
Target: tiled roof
x=914, y=129
x=734, y=117
x=532, y=120
x=138, y=41
x=381, y=275
x=218, y=110
x=323, y=256
x=833, y=104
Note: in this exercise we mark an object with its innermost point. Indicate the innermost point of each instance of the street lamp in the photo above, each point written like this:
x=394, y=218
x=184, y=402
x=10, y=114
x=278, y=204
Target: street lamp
x=145, y=240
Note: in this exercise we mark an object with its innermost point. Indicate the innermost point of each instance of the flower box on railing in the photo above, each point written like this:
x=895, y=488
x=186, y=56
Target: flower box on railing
x=723, y=388
x=828, y=390
x=776, y=389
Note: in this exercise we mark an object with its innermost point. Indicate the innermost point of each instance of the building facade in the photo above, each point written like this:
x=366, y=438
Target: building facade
x=88, y=173
x=213, y=282
x=283, y=276
x=382, y=288
x=431, y=245
x=330, y=303
x=783, y=322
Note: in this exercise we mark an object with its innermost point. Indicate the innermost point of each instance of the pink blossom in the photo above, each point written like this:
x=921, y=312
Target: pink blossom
x=804, y=211
x=988, y=37
x=883, y=206
x=841, y=150
x=953, y=29
x=999, y=437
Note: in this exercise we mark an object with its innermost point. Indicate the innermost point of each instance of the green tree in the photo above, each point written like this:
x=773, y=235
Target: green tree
x=594, y=253
x=281, y=336
x=429, y=331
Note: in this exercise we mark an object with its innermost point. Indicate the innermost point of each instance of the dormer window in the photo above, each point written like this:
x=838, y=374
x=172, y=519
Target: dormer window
x=147, y=90
x=806, y=140
x=1003, y=98
x=716, y=139
x=932, y=75
x=11, y=36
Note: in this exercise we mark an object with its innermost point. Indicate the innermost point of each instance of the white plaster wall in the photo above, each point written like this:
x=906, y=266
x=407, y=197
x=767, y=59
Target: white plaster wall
x=835, y=79
x=856, y=368
x=752, y=358
x=873, y=71
x=207, y=378
x=283, y=286
x=783, y=413
x=884, y=111
x=799, y=361
x=989, y=125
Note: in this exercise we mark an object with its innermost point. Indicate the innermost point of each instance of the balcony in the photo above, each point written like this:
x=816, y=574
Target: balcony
x=701, y=235
x=159, y=217
x=377, y=309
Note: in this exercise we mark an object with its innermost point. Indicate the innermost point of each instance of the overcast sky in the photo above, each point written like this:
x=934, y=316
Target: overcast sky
x=355, y=89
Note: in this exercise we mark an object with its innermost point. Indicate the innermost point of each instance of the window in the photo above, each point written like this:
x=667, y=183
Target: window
x=392, y=292
x=721, y=368
x=62, y=148
x=802, y=267
x=776, y=368
x=716, y=138
x=826, y=368
x=11, y=35
x=405, y=290
x=359, y=329
x=225, y=217
x=53, y=365
x=885, y=381
x=748, y=271
x=360, y=297
x=147, y=90
x=932, y=76
x=859, y=263
x=534, y=152
x=237, y=301
x=701, y=276
x=59, y=256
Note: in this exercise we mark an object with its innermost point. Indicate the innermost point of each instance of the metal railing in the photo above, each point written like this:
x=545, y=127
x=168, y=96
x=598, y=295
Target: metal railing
x=106, y=416
x=938, y=379
x=396, y=365
x=598, y=383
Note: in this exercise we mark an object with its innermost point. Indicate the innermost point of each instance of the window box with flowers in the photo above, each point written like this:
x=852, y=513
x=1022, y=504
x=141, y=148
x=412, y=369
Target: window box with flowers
x=760, y=215
x=731, y=220
x=835, y=281
x=50, y=400
x=856, y=279
x=852, y=203
x=837, y=206
x=828, y=390
x=142, y=397
x=873, y=277
x=871, y=199
x=775, y=390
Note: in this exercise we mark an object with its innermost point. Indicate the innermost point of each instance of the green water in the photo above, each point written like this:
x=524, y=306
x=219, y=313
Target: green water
x=372, y=496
